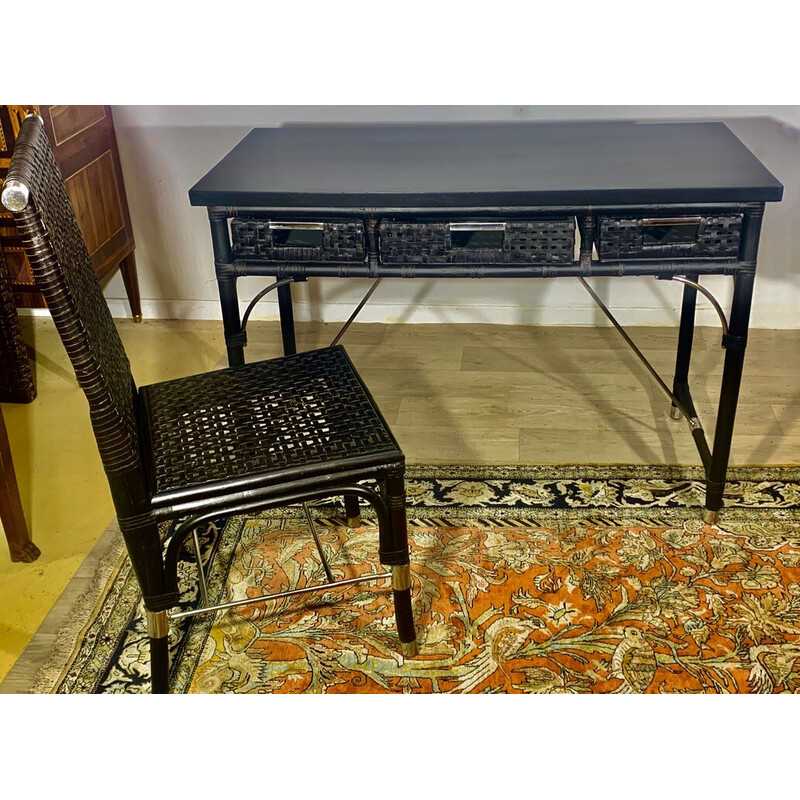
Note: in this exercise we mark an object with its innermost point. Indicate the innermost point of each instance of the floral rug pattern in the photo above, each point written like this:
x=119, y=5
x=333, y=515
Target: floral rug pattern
x=525, y=580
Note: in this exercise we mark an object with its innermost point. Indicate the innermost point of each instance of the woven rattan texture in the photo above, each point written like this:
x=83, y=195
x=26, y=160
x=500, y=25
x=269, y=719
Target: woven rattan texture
x=550, y=241
x=16, y=376
x=341, y=241
x=65, y=275
x=289, y=413
x=620, y=238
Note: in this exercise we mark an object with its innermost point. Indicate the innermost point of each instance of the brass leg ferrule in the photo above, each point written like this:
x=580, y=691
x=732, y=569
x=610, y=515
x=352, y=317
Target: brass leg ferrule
x=675, y=412
x=157, y=624
x=710, y=516
x=401, y=577
x=354, y=522
x=409, y=649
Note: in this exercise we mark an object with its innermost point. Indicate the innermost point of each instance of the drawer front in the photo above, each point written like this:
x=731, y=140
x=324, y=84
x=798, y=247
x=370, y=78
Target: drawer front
x=272, y=240
x=545, y=241
x=679, y=237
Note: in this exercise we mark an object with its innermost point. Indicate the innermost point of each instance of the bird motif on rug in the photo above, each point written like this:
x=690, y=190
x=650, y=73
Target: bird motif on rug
x=771, y=665
x=633, y=662
x=503, y=639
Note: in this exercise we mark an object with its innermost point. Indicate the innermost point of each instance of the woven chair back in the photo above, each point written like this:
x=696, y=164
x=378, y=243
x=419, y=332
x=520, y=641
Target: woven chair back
x=64, y=274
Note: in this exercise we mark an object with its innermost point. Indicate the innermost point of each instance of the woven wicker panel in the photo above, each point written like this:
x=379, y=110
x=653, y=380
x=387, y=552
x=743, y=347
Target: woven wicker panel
x=289, y=413
x=620, y=238
x=64, y=273
x=253, y=239
x=16, y=376
x=550, y=241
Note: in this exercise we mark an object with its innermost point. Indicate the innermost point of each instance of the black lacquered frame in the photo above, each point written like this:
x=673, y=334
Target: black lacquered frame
x=741, y=268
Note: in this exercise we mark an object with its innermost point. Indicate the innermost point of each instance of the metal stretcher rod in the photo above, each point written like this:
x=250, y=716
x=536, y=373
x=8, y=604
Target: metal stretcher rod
x=694, y=423
x=279, y=595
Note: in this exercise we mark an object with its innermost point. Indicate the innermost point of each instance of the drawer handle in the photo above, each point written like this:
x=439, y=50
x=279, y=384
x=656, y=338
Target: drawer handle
x=477, y=235
x=670, y=231
x=646, y=223
x=297, y=234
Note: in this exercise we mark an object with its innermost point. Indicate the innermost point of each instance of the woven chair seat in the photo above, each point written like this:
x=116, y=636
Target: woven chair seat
x=293, y=417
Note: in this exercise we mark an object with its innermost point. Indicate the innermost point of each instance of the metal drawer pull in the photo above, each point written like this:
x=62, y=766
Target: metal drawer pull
x=671, y=221
x=670, y=231
x=477, y=235
x=477, y=226
x=297, y=234
x=296, y=226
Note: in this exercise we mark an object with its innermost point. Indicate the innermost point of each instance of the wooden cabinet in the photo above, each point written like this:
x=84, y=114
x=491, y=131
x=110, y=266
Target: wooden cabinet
x=85, y=150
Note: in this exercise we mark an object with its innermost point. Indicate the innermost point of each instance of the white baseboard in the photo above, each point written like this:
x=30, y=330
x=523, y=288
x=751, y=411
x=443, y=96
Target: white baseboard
x=399, y=313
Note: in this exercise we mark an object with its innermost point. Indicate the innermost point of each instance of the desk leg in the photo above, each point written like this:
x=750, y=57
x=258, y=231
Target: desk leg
x=19, y=543
x=680, y=382
x=226, y=284
x=287, y=319
x=735, y=343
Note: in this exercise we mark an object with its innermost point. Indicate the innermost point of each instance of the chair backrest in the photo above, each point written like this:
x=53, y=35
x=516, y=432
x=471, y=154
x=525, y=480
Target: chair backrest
x=34, y=192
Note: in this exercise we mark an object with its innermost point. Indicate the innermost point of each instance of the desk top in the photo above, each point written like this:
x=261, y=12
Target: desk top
x=487, y=164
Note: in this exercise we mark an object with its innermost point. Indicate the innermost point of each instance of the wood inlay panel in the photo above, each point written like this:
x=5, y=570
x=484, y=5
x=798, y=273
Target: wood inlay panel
x=94, y=194
x=68, y=121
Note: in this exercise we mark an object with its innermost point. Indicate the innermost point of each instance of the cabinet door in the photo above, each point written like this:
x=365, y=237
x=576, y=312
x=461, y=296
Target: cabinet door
x=86, y=153
x=85, y=149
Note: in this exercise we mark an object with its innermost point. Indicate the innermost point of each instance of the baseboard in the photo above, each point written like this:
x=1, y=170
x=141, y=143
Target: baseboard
x=444, y=313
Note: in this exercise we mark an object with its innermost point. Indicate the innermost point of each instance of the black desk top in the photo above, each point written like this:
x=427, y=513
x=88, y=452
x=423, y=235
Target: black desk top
x=472, y=165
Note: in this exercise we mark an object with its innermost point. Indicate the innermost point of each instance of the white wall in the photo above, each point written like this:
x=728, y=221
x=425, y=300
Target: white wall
x=165, y=149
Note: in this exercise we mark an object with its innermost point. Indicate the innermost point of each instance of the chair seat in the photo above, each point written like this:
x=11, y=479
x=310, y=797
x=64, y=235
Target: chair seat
x=241, y=429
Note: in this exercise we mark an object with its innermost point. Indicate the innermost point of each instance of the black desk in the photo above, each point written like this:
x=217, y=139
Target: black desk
x=671, y=200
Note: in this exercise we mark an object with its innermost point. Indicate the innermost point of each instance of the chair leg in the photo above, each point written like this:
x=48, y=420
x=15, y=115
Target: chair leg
x=401, y=566
x=352, y=511
x=158, y=631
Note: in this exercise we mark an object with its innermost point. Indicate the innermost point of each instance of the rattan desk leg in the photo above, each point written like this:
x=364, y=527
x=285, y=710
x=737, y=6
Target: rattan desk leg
x=226, y=284
x=685, y=339
x=735, y=342
x=729, y=393
x=287, y=319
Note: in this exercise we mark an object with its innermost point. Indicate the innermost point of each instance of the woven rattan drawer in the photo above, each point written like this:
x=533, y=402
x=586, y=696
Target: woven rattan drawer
x=273, y=241
x=626, y=238
x=541, y=241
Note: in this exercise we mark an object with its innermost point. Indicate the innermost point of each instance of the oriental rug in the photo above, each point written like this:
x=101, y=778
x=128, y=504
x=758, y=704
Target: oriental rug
x=526, y=579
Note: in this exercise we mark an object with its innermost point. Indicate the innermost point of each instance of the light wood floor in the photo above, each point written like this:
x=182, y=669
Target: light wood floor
x=452, y=393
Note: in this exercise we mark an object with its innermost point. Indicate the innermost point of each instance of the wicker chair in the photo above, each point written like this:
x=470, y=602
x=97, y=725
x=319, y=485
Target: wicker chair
x=278, y=432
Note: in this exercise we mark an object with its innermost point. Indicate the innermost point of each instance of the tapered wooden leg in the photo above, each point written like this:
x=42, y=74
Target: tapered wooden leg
x=19, y=543
x=131, y=280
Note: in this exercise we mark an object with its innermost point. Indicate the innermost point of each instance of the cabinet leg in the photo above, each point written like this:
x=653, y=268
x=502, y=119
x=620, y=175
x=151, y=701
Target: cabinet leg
x=19, y=543
x=131, y=280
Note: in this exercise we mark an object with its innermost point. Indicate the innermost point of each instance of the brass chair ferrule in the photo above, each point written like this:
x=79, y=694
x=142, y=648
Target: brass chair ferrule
x=710, y=517
x=401, y=577
x=409, y=649
x=157, y=624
